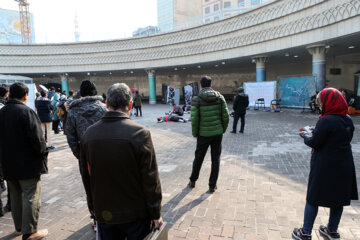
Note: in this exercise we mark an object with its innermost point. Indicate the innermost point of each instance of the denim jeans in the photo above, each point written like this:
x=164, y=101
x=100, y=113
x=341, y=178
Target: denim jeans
x=310, y=214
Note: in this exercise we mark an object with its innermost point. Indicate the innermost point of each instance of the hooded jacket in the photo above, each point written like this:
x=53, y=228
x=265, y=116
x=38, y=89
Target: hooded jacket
x=83, y=113
x=209, y=113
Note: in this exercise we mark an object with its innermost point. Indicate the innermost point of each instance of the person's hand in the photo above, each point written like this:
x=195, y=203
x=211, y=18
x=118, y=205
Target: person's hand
x=157, y=223
x=302, y=134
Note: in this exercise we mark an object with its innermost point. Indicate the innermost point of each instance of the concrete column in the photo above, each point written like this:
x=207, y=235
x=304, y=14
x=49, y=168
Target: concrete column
x=260, y=67
x=65, y=83
x=318, y=53
x=152, y=86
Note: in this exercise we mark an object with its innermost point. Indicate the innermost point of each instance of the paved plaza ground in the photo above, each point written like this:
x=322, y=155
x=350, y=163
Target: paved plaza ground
x=261, y=187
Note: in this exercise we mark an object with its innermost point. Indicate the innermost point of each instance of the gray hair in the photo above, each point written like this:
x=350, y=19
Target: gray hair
x=119, y=96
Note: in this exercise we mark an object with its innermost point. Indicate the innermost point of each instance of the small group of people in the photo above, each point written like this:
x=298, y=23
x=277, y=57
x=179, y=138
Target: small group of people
x=117, y=160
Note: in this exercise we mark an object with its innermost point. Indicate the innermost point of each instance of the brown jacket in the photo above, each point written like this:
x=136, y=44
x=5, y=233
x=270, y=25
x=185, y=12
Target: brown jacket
x=122, y=180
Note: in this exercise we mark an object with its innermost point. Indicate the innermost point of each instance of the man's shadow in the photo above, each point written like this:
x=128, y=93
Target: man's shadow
x=171, y=216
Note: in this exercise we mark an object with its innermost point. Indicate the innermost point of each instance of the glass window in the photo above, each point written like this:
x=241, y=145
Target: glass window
x=216, y=7
x=241, y=3
x=216, y=18
x=207, y=20
x=227, y=4
x=255, y=1
x=207, y=10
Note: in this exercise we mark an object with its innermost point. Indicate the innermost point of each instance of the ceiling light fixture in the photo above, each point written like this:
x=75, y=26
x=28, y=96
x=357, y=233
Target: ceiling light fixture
x=296, y=56
x=216, y=65
x=287, y=54
x=110, y=73
x=132, y=72
x=351, y=47
x=199, y=66
x=184, y=68
x=223, y=63
x=88, y=74
x=175, y=69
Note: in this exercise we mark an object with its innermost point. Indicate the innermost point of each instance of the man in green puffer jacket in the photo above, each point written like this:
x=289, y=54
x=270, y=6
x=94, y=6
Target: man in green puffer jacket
x=209, y=120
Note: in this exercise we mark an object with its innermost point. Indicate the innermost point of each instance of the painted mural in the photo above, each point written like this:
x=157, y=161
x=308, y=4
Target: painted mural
x=296, y=91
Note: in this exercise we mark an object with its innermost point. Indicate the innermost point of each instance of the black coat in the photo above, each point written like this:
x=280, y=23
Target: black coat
x=332, y=179
x=44, y=109
x=124, y=179
x=240, y=104
x=23, y=152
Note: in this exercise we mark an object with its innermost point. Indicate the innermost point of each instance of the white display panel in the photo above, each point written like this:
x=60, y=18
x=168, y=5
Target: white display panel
x=256, y=90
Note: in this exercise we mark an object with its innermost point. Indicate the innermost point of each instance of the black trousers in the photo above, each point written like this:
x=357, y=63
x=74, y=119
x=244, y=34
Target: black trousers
x=131, y=231
x=236, y=119
x=55, y=126
x=137, y=111
x=202, y=146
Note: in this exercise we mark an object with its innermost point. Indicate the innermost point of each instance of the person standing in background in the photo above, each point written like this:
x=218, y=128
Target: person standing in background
x=209, y=121
x=137, y=101
x=240, y=104
x=56, y=119
x=120, y=173
x=44, y=110
x=23, y=156
x=82, y=113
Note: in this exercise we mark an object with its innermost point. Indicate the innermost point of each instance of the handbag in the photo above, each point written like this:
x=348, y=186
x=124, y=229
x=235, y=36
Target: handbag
x=158, y=234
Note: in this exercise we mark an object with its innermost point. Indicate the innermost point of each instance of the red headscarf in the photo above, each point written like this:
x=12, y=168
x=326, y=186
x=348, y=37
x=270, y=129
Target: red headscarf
x=333, y=102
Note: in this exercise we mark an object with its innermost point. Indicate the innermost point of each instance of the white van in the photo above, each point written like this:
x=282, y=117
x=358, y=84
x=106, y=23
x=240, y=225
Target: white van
x=10, y=79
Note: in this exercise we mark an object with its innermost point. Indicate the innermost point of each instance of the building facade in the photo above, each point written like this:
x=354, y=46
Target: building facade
x=10, y=27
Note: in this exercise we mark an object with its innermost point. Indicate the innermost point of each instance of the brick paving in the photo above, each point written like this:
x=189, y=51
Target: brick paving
x=261, y=187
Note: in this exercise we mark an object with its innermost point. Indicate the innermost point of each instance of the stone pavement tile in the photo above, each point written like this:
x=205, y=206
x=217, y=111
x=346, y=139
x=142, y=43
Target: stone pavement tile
x=261, y=187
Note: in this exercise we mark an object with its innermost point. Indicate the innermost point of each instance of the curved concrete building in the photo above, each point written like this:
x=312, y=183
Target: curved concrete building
x=284, y=38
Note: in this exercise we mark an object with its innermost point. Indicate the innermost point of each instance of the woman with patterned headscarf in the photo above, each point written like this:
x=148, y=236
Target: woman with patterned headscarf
x=332, y=178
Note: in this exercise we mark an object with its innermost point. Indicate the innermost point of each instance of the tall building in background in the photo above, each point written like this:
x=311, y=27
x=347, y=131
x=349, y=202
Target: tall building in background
x=214, y=10
x=178, y=14
x=10, y=27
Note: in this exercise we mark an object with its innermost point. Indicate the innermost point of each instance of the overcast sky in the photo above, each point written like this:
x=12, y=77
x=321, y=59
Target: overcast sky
x=97, y=20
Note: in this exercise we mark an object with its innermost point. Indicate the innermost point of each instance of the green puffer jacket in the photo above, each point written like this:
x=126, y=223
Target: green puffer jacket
x=209, y=114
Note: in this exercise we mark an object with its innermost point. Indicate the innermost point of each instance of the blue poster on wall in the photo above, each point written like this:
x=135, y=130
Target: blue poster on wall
x=296, y=91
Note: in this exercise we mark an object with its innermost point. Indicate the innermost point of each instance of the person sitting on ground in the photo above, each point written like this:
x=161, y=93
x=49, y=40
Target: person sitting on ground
x=171, y=118
x=313, y=105
x=178, y=110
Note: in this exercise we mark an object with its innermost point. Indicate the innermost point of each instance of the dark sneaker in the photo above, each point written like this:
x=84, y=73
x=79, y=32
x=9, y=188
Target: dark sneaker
x=233, y=132
x=299, y=235
x=324, y=231
x=1, y=212
x=212, y=190
x=191, y=184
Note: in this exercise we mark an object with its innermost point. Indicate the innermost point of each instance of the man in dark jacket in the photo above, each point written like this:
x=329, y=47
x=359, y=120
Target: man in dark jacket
x=120, y=171
x=209, y=120
x=23, y=157
x=240, y=104
x=3, y=96
x=83, y=113
x=44, y=110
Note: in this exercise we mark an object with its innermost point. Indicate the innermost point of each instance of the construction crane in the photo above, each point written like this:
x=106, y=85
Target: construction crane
x=25, y=21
